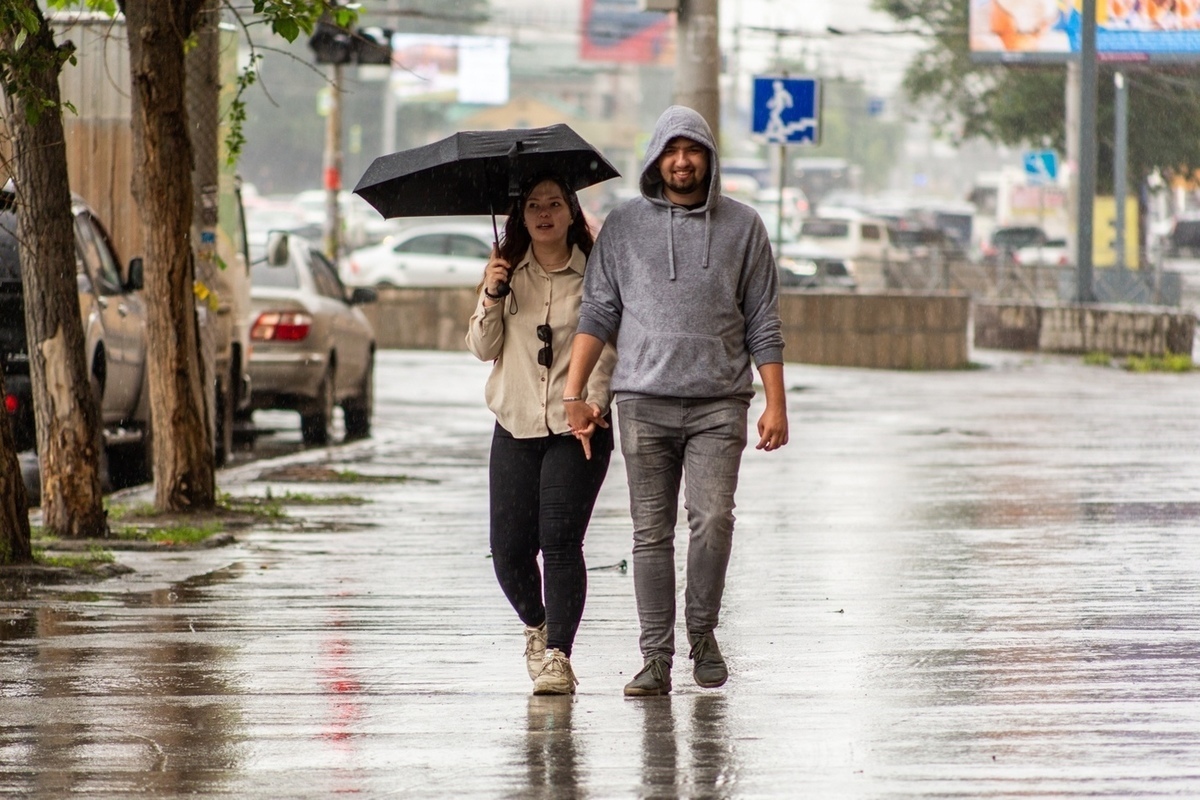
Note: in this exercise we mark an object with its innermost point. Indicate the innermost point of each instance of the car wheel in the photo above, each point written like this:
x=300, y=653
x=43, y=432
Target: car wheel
x=316, y=425
x=358, y=410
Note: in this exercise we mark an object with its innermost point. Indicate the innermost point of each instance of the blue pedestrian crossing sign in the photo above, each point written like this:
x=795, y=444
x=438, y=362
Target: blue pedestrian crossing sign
x=1041, y=166
x=786, y=110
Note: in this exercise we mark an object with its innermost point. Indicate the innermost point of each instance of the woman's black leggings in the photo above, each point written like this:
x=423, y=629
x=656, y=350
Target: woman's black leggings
x=542, y=494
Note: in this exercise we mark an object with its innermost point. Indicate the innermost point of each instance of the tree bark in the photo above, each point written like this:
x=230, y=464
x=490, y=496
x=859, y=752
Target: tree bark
x=64, y=404
x=162, y=186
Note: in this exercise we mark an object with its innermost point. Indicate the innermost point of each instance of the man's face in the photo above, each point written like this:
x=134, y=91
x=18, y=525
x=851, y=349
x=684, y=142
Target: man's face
x=684, y=165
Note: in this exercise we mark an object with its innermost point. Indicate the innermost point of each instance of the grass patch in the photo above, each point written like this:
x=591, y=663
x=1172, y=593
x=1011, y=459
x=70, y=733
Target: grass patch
x=1097, y=358
x=173, y=534
x=1169, y=363
x=307, y=499
x=89, y=561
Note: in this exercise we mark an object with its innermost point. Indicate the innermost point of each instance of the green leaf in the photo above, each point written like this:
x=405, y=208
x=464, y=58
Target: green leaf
x=287, y=28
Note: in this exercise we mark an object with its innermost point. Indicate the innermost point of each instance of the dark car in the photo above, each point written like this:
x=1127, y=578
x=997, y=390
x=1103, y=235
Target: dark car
x=114, y=328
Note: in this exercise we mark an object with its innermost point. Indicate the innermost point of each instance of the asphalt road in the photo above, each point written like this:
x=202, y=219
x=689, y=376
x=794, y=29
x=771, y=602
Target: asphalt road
x=983, y=583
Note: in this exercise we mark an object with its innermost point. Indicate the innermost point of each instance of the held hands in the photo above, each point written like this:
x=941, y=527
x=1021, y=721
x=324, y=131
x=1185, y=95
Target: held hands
x=583, y=419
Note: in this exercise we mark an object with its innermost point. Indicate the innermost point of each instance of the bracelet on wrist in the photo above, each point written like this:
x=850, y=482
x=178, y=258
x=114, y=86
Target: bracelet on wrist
x=491, y=296
x=572, y=399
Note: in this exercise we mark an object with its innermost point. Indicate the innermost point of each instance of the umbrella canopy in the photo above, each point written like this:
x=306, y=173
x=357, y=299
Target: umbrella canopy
x=478, y=172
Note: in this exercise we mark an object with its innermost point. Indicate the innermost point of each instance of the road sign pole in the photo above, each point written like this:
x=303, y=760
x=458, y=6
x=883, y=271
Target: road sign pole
x=782, y=180
x=1121, y=112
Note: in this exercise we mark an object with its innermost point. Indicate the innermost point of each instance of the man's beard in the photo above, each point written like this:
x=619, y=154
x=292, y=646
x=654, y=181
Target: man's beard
x=691, y=185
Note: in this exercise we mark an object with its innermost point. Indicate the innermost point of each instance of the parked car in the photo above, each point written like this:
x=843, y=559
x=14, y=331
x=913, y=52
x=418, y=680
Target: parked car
x=1051, y=253
x=801, y=267
x=312, y=346
x=858, y=240
x=1183, y=238
x=433, y=254
x=114, y=329
x=1011, y=238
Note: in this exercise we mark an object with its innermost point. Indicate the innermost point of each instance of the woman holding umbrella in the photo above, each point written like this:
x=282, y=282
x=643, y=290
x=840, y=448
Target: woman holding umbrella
x=543, y=484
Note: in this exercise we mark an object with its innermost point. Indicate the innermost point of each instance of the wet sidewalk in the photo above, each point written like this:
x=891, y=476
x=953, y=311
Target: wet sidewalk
x=979, y=583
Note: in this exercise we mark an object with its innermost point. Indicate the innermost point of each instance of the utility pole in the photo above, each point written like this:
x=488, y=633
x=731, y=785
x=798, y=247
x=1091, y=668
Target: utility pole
x=1085, y=292
x=698, y=61
x=333, y=164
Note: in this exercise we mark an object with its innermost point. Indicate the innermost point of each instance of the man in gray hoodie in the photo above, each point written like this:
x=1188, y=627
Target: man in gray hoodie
x=684, y=280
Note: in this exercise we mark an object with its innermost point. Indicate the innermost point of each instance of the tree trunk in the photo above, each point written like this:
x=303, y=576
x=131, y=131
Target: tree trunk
x=162, y=186
x=14, y=503
x=64, y=404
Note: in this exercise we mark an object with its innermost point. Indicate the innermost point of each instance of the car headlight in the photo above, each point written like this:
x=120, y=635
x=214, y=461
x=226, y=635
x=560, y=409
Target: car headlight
x=803, y=267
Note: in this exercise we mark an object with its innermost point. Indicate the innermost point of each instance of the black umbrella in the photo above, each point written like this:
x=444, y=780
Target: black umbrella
x=478, y=172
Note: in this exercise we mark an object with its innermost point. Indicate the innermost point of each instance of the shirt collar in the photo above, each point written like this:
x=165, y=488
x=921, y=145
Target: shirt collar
x=577, y=263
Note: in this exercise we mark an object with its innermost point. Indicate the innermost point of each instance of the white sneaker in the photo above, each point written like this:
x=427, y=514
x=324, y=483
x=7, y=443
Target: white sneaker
x=556, y=676
x=535, y=649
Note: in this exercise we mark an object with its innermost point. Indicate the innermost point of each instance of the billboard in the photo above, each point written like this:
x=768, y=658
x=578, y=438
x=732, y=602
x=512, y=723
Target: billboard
x=1051, y=30
x=429, y=68
x=614, y=30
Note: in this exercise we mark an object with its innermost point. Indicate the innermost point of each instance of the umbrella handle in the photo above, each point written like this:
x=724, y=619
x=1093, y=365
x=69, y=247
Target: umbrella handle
x=502, y=288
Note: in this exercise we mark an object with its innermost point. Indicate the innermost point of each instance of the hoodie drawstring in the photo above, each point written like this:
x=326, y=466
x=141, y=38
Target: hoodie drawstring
x=671, y=241
x=707, y=228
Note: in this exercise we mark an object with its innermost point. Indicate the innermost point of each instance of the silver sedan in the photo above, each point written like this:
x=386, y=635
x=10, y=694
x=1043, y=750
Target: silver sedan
x=312, y=348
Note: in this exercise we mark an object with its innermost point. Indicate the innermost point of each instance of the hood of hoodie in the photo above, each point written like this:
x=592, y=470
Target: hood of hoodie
x=678, y=121
x=686, y=122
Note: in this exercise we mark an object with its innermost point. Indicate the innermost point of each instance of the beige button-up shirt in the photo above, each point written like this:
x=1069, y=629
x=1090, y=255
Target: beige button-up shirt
x=525, y=396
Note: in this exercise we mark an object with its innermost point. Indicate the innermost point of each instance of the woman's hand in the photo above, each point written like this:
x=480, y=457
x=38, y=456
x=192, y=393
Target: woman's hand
x=584, y=433
x=496, y=273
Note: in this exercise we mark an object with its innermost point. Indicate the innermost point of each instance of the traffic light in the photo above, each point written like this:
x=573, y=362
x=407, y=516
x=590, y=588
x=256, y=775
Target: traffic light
x=331, y=44
x=373, y=46
x=334, y=45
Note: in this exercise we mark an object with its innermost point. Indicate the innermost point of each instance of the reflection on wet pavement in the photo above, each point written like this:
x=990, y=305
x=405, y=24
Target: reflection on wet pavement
x=977, y=584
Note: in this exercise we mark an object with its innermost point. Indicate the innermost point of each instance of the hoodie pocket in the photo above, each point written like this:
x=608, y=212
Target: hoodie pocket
x=683, y=365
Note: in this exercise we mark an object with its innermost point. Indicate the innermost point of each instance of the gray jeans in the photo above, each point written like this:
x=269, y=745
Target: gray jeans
x=663, y=440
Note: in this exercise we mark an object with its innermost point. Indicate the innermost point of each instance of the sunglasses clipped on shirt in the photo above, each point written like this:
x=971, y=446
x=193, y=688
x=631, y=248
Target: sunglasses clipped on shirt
x=546, y=354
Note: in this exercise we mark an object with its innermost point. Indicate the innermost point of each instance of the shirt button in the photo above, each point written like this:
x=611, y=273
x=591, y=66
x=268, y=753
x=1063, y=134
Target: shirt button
x=543, y=379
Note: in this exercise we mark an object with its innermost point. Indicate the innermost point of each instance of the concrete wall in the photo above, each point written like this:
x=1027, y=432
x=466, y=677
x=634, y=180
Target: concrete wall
x=1119, y=331
x=889, y=331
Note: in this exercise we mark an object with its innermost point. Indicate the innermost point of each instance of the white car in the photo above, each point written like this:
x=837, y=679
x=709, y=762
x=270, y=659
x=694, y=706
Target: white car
x=434, y=254
x=1051, y=253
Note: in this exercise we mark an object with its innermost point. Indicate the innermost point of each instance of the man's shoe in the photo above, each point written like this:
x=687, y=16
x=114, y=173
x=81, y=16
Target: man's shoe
x=708, y=665
x=653, y=680
x=556, y=676
x=535, y=649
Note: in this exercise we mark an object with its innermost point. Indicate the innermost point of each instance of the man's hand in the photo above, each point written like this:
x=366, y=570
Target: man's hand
x=773, y=424
x=772, y=429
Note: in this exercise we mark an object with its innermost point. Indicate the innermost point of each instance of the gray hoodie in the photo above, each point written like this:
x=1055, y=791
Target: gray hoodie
x=692, y=295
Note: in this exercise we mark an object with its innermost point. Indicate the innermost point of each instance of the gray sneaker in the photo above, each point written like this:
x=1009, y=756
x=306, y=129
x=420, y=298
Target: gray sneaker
x=652, y=681
x=708, y=665
x=535, y=649
x=556, y=676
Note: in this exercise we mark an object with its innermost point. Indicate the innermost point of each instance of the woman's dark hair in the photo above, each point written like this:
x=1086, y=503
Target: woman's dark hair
x=515, y=241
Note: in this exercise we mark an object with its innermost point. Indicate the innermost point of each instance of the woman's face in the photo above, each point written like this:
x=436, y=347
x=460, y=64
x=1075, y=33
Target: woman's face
x=547, y=215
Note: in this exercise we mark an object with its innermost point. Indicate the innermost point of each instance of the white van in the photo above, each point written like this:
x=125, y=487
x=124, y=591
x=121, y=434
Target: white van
x=863, y=242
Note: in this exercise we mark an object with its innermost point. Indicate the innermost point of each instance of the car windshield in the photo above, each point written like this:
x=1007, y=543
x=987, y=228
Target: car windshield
x=10, y=265
x=281, y=277
x=825, y=228
x=1016, y=237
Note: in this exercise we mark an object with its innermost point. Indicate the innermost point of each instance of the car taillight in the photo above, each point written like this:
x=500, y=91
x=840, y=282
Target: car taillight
x=281, y=326
x=10, y=403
